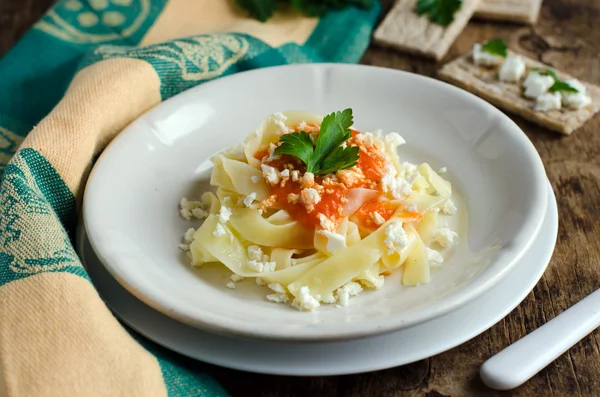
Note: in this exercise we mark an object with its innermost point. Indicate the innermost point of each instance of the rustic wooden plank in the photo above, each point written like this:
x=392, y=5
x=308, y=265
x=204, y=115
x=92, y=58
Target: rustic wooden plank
x=566, y=38
x=403, y=29
x=520, y=11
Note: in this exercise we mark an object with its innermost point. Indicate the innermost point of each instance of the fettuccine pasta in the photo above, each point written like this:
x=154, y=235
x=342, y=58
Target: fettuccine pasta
x=320, y=237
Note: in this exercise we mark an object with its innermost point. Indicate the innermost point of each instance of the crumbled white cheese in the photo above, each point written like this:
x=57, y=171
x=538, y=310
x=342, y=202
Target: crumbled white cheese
x=279, y=119
x=295, y=174
x=270, y=174
x=393, y=139
x=434, y=256
x=442, y=170
x=481, y=57
x=255, y=253
x=397, y=186
x=335, y=242
x=231, y=285
x=537, y=84
x=188, y=237
x=256, y=266
x=276, y=287
x=224, y=214
x=255, y=178
x=308, y=179
x=575, y=100
x=285, y=173
x=365, y=139
x=395, y=237
x=278, y=298
x=326, y=223
x=260, y=281
x=408, y=168
x=191, y=208
x=350, y=176
x=184, y=247
x=199, y=213
x=219, y=230
x=548, y=101
x=329, y=298
x=302, y=125
x=512, y=69
x=262, y=266
x=346, y=291
x=389, y=177
x=445, y=237
x=449, y=208
x=377, y=282
x=401, y=188
x=377, y=218
x=272, y=155
x=236, y=278
x=411, y=208
x=310, y=196
x=249, y=199
x=305, y=302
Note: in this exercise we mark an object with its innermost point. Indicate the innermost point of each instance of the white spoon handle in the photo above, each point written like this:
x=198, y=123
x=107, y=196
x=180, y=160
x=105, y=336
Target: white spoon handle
x=520, y=361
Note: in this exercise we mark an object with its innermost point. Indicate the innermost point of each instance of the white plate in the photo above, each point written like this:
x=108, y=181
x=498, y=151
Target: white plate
x=131, y=199
x=332, y=358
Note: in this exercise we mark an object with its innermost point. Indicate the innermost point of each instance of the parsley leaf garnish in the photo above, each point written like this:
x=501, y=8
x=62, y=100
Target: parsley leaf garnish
x=340, y=159
x=264, y=9
x=558, y=85
x=297, y=144
x=440, y=11
x=325, y=155
x=496, y=47
x=563, y=86
x=546, y=72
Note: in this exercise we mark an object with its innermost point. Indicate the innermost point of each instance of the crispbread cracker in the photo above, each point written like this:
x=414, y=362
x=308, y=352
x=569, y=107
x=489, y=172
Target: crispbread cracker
x=522, y=11
x=402, y=28
x=484, y=82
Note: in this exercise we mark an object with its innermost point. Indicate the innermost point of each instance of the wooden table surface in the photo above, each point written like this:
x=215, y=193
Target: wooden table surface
x=566, y=37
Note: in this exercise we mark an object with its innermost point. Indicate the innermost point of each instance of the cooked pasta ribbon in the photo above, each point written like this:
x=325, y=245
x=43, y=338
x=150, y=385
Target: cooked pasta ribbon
x=320, y=238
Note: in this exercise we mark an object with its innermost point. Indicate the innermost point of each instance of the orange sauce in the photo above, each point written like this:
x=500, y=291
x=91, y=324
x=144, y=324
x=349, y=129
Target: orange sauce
x=385, y=208
x=328, y=206
x=372, y=164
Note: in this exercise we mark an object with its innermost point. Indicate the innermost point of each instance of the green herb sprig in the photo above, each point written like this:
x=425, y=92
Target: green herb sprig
x=263, y=10
x=440, y=11
x=495, y=47
x=326, y=154
x=558, y=85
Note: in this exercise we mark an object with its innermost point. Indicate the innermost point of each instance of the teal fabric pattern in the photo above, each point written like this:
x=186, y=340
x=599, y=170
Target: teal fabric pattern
x=31, y=188
x=35, y=75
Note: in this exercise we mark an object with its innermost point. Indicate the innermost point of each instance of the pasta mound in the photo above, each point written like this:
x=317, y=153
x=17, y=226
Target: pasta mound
x=319, y=239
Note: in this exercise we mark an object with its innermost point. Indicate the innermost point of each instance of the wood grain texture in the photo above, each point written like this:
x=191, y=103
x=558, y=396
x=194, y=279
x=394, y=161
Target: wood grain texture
x=521, y=11
x=567, y=38
x=484, y=82
x=403, y=29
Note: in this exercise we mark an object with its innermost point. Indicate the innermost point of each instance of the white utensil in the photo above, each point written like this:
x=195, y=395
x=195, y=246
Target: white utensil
x=520, y=361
